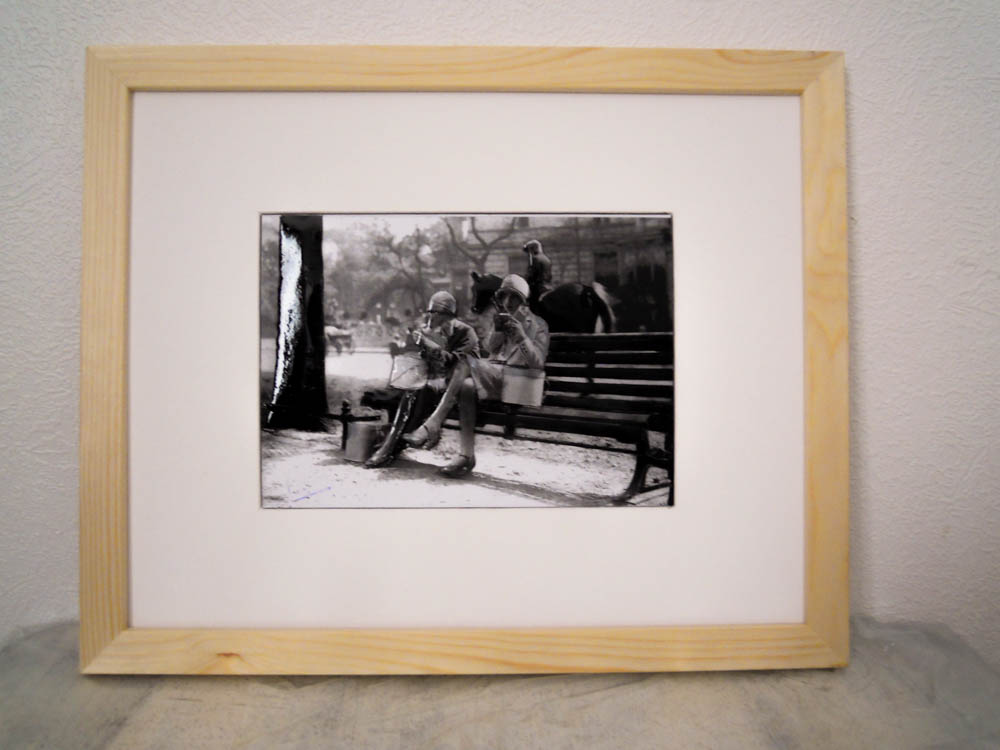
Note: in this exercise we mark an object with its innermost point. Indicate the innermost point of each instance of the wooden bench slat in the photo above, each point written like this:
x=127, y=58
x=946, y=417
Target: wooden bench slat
x=614, y=405
x=572, y=412
x=623, y=430
x=609, y=358
x=662, y=390
x=609, y=373
x=611, y=341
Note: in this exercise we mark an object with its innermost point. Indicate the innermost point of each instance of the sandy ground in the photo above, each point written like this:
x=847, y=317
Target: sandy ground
x=308, y=469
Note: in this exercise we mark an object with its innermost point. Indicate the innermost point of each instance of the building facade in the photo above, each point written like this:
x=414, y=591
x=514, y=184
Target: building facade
x=630, y=255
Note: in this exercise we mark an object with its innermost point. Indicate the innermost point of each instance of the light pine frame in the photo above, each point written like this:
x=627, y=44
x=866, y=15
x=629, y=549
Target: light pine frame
x=109, y=645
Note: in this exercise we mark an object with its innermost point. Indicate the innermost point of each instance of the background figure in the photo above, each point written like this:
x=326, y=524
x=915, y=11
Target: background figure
x=539, y=273
x=443, y=340
x=519, y=339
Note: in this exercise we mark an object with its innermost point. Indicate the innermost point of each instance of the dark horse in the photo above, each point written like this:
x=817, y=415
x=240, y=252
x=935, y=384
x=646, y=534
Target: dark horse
x=569, y=308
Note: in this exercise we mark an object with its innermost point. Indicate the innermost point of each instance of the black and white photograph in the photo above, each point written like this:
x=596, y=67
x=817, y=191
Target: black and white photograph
x=466, y=360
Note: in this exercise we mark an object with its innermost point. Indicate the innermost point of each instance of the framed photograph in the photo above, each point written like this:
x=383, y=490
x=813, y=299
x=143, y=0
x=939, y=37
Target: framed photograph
x=353, y=316
x=569, y=406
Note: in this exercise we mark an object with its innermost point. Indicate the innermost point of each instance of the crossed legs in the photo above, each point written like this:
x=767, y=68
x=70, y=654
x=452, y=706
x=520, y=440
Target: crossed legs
x=462, y=390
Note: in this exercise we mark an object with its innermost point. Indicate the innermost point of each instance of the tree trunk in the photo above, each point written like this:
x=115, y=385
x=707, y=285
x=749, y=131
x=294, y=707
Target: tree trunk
x=299, y=398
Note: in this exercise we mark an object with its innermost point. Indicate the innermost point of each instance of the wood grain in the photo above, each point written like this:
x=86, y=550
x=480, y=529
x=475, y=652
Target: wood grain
x=461, y=651
x=108, y=645
x=103, y=363
x=567, y=69
x=826, y=402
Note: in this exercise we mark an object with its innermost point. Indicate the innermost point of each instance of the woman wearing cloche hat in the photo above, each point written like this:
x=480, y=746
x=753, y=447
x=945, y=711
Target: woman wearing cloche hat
x=519, y=339
x=443, y=341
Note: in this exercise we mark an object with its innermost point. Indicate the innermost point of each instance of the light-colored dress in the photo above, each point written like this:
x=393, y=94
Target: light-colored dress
x=502, y=350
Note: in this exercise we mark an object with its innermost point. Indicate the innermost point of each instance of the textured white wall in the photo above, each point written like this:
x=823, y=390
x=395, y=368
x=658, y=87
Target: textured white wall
x=924, y=154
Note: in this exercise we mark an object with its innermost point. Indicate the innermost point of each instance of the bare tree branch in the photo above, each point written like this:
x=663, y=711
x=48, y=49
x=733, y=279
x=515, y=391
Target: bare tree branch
x=485, y=248
x=386, y=247
x=476, y=234
x=382, y=293
x=496, y=240
x=460, y=247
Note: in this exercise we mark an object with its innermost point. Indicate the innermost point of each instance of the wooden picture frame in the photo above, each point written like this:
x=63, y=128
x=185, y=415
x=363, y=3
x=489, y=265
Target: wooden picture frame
x=107, y=642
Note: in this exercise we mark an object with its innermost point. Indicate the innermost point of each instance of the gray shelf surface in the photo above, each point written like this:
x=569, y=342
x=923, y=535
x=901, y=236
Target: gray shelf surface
x=908, y=686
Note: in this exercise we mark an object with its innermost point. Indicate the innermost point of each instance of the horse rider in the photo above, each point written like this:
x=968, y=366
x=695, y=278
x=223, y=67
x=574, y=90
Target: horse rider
x=539, y=273
x=518, y=338
x=443, y=341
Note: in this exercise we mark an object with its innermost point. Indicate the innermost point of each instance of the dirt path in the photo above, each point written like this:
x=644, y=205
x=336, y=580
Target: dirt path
x=308, y=470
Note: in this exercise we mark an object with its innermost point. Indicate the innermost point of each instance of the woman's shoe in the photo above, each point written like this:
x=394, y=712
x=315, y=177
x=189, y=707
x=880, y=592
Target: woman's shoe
x=434, y=439
x=384, y=456
x=459, y=467
x=423, y=437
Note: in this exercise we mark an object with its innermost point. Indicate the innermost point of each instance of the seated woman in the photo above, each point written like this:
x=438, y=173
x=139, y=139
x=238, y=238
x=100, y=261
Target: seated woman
x=519, y=338
x=444, y=340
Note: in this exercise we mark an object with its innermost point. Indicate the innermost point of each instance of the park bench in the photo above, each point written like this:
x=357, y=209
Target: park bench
x=605, y=385
x=339, y=339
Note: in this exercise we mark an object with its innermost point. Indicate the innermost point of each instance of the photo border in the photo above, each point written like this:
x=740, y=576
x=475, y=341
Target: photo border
x=109, y=645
